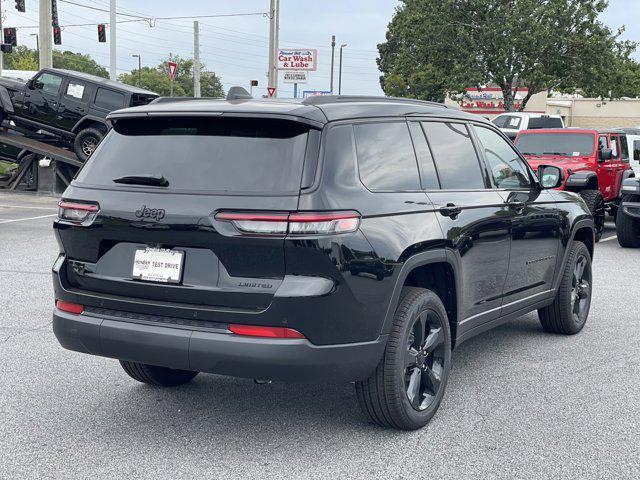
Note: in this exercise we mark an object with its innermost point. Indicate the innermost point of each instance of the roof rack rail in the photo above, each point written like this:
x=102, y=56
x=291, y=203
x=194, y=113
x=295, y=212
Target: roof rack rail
x=328, y=99
x=238, y=93
x=181, y=99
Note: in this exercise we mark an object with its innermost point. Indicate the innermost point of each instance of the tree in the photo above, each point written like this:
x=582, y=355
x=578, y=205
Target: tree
x=157, y=79
x=531, y=44
x=23, y=58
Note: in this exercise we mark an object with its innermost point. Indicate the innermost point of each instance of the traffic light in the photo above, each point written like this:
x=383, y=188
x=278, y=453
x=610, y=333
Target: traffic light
x=57, y=36
x=54, y=15
x=20, y=6
x=102, y=33
x=254, y=83
x=10, y=36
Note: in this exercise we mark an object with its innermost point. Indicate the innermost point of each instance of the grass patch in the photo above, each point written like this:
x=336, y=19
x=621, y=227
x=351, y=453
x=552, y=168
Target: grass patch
x=6, y=168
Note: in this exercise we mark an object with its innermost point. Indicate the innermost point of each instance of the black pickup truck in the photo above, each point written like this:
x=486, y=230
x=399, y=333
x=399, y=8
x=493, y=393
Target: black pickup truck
x=71, y=105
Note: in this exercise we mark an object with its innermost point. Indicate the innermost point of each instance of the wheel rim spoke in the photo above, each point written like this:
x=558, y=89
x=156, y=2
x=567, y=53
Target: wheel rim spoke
x=413, y=389
x=411, y=358
x=432, y=380
x=434, y=339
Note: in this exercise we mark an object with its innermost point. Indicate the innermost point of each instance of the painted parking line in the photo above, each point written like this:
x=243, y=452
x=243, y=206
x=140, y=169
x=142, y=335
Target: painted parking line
x=28, y=207
x=28, y=218
x=612, y=237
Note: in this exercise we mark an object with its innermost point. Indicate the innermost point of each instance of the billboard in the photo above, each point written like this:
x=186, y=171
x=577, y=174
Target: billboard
x=311, y=93
x=301, y=76
x=297, y=59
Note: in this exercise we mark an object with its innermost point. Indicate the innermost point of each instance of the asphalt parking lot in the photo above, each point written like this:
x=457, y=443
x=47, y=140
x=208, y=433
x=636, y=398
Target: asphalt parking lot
x=520, y=403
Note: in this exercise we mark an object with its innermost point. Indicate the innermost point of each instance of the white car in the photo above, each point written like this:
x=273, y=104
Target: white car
x=512, y=122
x=632, y=136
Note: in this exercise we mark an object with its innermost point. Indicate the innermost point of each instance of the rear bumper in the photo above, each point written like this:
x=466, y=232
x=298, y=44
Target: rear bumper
x=216, y=350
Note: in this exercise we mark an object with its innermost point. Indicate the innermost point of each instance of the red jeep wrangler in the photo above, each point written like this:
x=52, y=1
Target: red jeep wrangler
x=595, y=162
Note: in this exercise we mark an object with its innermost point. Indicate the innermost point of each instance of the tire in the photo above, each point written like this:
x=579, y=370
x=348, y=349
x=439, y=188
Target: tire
x=157, y=376
x=86, y=142
x=627, y=227
x=595, y=203
x=405, y=370
x=569, y=311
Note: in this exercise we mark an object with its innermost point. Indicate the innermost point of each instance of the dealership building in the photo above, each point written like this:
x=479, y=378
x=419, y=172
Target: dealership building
x=575, y=110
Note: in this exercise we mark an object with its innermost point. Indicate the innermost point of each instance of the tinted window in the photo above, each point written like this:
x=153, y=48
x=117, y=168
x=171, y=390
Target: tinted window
x=504, y=164
x=49, y=83
x=109, y=99
x=565, y=144
x=454, y=155
x=500, y=121
x=208, y=154
x=427, y=168
x=624, y=149
x=386, y=160
x=545, y=122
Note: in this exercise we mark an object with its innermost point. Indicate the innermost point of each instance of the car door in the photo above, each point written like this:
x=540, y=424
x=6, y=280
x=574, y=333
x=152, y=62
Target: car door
x=606, y=168
x=73, y=104
x=535, y=222
x=619, y=159
x=474, y=219
x=41, y=99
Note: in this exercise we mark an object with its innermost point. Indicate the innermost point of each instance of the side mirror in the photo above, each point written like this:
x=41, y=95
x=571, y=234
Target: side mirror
x=550, y=176
x=31, y=84
x=605, y=154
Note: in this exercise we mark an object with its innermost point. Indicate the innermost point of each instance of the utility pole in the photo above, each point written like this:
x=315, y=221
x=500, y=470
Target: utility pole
x=45, y=55
x=274, y=25
x=340, y=70
x=1, y=39
x=333, y=51
x=196, y=59
x=113, y=71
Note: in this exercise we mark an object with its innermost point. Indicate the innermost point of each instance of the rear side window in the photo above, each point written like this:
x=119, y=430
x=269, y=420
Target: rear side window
x=500, y=121
x=624, y=149
x=454, y=155
x=545, y=122
x=225, y=156
x=75, y=90
x=386, y=159
x=425, y=159
x=109, y=99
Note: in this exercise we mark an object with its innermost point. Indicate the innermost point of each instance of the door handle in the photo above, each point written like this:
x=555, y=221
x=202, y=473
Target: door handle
x=450, y=210
x=517, y=206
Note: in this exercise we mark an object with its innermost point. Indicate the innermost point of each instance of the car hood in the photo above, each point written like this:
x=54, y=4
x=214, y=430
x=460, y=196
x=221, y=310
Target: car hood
x=573, y=163
x=13, y=84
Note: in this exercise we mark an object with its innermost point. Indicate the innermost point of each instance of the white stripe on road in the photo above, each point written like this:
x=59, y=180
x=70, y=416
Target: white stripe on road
x=29, y=218
x=613, y=237
x=24, y=206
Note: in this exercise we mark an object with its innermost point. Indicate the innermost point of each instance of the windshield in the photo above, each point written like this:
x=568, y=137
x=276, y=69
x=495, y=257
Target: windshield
x=565, y=144
x=222, y=155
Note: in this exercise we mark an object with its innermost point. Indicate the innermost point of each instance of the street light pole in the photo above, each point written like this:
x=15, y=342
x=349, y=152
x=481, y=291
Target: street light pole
x=333, y=50
x=139, y=65
x=340, y=70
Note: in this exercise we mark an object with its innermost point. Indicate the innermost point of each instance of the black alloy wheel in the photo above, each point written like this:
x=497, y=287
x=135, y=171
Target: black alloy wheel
x=424, y=360
x=581, y=290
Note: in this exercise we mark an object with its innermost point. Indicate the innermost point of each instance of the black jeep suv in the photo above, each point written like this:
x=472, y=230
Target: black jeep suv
x=72, y=105
x=338, y=238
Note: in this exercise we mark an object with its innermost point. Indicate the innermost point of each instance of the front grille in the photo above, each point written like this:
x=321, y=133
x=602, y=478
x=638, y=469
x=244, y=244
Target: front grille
x=174, y=322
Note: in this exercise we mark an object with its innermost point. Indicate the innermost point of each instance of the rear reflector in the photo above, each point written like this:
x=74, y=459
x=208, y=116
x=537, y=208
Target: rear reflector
x=297, y=223
x=77, y=212
x=69, y=307
x=265, y=332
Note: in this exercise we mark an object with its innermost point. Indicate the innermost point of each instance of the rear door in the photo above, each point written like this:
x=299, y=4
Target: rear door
x=473, y=217
x=73, y=104
x=535, y=222
x=211, y=165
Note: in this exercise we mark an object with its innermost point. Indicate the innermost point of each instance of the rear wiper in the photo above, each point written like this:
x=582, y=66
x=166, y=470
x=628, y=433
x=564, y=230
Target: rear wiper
x=143, y=179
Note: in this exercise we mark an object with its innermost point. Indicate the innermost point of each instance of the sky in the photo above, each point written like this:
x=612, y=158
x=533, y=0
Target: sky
x=235, y=47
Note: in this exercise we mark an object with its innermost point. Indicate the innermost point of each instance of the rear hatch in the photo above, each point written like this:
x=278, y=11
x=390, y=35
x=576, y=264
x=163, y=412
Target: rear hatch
x=158, y=184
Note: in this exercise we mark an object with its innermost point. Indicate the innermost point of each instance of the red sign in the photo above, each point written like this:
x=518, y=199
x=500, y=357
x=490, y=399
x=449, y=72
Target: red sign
x=271, y=91
x=172, y=67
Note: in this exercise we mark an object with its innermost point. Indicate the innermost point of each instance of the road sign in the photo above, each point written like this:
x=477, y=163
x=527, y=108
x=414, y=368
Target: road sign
x=271, y=91
x=311, y=93
x=172, y=67
x=301, y=76
x=297, y=59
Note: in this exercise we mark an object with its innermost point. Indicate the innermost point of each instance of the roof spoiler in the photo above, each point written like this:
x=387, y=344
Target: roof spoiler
x=238, y=93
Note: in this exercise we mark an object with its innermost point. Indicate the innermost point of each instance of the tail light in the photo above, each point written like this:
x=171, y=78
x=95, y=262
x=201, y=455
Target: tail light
x=297, y=223
x=265, y=332
x=77, y=212
x=69, y=307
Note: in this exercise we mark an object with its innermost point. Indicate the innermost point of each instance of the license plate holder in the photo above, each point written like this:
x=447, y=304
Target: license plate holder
x=158, y=265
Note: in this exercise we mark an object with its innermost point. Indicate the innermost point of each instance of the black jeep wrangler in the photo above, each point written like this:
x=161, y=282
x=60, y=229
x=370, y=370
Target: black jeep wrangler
x=338, y=238
x=71, y=105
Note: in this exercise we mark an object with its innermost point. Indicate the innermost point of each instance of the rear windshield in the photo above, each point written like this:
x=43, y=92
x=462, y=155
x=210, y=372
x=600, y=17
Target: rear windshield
x=544, y=122
x=223, y=155
x=566, y=144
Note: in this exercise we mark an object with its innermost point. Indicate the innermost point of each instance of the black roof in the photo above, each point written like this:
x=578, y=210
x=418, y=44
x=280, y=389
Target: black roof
x=314, y=110
x=102, y=81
